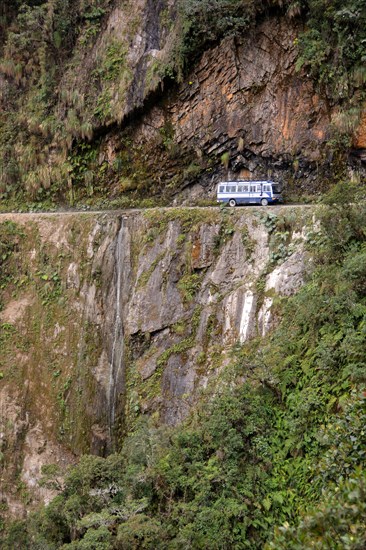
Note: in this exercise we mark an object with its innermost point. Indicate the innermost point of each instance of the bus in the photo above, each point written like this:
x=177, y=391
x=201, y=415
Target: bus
x=248, y=192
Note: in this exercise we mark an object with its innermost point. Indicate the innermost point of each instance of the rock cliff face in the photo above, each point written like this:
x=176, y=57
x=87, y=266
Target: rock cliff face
x=244, y=111
x=114, y=121
x=107, y=317
x=245, y=100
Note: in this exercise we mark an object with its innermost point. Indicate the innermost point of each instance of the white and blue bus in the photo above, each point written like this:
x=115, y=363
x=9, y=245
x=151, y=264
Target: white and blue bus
x=249, y=192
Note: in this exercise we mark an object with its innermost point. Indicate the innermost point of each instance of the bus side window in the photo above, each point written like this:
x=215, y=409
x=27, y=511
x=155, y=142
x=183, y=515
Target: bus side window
x=258, y=189
x=245, y=188
x=221, y=188
x=232, y=188
x=253, y=188
x=240, y=188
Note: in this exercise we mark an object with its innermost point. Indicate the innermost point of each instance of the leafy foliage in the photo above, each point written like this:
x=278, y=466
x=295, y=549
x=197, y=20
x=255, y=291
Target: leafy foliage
x=39, y=38
x=333, y=48
x=337, y=523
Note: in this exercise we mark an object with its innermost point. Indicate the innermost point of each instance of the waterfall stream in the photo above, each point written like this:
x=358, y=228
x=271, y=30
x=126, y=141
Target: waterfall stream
x=116, y=372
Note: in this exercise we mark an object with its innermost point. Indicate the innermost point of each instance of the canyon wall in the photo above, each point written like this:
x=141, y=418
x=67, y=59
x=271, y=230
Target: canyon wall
x=244, y=100
x=128, y=115
x=107, y=317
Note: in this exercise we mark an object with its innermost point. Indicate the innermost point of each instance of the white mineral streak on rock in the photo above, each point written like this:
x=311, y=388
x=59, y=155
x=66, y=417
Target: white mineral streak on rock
x=300, y=235
x=274, y=279
x=211, y=298
x=239, y=316
x=264, y=316
x=57, y=330
x=284, y=280
x=275, y=282
x=246, y=316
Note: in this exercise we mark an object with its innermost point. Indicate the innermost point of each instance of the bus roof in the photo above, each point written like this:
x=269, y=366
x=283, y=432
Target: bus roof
x=245, y=181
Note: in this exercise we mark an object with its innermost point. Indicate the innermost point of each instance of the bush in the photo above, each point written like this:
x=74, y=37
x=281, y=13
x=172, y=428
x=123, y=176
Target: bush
x=337, y=523
x=333, y=46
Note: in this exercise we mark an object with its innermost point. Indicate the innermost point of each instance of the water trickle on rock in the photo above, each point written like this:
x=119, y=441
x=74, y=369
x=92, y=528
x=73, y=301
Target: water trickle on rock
x=116, y=372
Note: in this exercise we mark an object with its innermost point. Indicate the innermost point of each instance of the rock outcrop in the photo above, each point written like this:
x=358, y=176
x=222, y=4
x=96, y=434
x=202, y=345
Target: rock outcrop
x=107, y=317
x=123, y=121
x=245, y=100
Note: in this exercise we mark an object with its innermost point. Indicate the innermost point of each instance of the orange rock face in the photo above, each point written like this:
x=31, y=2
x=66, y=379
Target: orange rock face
x=249, y=89
x=359, y=140
x=246, y=99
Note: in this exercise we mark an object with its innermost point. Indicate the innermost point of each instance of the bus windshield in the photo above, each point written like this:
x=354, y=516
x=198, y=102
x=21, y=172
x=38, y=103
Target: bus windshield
x=276, y=189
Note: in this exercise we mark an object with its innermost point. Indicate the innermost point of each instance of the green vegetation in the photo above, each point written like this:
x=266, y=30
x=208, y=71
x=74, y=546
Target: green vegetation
x=10, y=236
x=333, y=47
x=189, y=285
x=280, y=230
x=333, y=50
x=248, y=242
x=181, y=347
x=43, y=118
x=225, y=233
x=202, y=23
x=190, y=219
x=113, y=63
x=275, y=462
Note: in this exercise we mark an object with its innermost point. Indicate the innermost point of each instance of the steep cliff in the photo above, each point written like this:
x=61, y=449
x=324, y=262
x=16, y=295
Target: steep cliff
x=127, y=101
x=203, y=369
x=108, y=317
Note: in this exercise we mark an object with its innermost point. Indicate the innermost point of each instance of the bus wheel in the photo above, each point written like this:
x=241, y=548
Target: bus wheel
x=232, y=202
x=264, y=202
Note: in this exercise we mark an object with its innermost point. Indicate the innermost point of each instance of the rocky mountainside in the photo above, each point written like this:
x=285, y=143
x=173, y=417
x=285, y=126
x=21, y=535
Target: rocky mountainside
x=201, y=371
x=107, y=317
x=179, y=375
x=123, y=102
